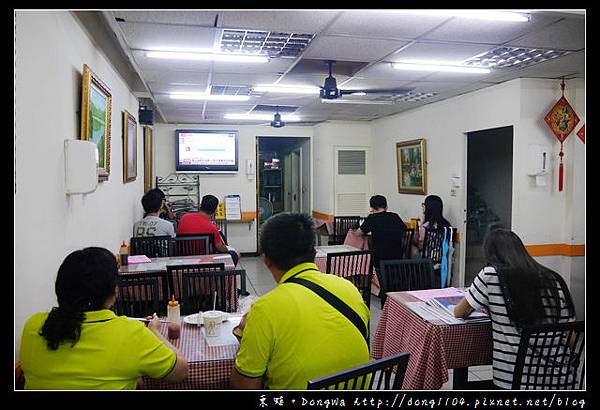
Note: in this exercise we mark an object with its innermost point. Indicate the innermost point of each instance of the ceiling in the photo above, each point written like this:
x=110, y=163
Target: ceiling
x=363, y=42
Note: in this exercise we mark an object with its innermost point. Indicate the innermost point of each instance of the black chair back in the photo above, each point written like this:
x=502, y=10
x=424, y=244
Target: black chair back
x=199, y=288
x=175, y=279
x=137, y=296
x=405, y=274
x=152, y=246
x=407, y=238
x=357, y=267
x=341, y=226
x=375, y=375
x=550, y=357
x=221, y=225
x=186, y=245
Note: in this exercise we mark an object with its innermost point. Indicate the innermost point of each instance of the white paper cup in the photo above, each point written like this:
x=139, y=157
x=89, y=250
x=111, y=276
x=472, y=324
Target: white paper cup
x=212, y=322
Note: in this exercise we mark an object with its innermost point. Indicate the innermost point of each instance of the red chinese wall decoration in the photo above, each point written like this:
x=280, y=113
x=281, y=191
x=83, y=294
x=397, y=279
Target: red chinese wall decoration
x=581, y=133
x=561, y=119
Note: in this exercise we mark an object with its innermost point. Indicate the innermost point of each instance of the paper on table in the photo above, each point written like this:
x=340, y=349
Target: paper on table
x=138, y=259
x=427, y=294
x=420, y=309
x=225, y=338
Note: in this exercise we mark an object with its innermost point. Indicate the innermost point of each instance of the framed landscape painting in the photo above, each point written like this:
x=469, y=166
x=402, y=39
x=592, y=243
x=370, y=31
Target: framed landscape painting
x=96, y=101
x=412, y=167
x=147, y=159
x=129, y=147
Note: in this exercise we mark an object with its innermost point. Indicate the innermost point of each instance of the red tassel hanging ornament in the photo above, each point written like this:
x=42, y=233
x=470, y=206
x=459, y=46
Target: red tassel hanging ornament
x=561, y=119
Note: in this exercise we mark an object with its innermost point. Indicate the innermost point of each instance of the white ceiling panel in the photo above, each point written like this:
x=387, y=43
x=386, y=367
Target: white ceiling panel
x=274, y=65
x=564, y=35
x=301, y=22
x=351, y=48
x=383, y=24
x=455, y=77
x=249, y=79
x=362, y=83
x=185, y=17
x=436, y=86
x=448, y=52
x=164, y=36
x=384, y=71
x=166, y=88
x=176, y=77
x=310, y=80
x=485, y=31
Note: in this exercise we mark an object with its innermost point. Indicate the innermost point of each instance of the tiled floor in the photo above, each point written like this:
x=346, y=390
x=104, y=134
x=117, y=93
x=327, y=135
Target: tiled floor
x=260, y=281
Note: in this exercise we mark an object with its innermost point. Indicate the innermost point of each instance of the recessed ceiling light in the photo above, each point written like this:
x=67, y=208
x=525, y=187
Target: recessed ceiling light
x=439, y=67
x=177, y=55
x=472, y=14
x=208, y=97
x=288, y=89
x=260, y=117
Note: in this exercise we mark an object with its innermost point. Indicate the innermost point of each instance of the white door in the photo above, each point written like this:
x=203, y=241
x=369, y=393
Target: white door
x=352, y=185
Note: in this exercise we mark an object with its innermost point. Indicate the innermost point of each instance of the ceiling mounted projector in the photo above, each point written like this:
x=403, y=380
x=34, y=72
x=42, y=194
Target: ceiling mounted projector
x=277, y=123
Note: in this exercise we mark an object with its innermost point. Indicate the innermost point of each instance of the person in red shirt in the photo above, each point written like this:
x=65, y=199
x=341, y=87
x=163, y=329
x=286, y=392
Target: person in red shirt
x=199, y=224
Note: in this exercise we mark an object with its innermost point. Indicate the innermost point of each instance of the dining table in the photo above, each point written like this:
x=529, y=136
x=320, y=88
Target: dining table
x=322, y=251
x=434, y=346
x=210, y=359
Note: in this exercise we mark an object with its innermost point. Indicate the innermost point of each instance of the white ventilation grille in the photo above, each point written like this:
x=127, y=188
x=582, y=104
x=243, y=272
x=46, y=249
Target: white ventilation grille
x=351, y=204
x=352, y=162
x=273, y=44
x=504, y=57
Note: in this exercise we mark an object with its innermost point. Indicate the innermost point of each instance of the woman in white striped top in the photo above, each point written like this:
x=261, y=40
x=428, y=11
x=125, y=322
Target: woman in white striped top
x=517, y=291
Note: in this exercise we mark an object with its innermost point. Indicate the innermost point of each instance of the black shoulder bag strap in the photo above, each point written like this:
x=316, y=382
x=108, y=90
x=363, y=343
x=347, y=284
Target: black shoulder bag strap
x=336, y=302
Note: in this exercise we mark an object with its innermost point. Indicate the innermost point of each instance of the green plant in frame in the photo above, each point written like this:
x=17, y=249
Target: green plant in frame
x=412, y=176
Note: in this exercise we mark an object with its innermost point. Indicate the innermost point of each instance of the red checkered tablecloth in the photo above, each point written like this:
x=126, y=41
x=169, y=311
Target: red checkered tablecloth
x=209, y=366
x=434, y=347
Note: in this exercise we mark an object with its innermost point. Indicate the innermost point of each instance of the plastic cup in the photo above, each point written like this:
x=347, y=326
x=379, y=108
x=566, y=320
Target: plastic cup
x=212, y=322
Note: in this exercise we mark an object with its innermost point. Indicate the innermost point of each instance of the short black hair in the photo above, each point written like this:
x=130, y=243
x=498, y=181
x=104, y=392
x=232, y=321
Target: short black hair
x=159, y=192
x=288, y=239
x=378, y=201
x=209, y=204
x=151, y=202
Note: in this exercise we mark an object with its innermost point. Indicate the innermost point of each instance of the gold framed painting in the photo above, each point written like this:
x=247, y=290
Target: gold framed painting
x=96, y=102
x=129, y=147
x=147, y=159
x=412, y=167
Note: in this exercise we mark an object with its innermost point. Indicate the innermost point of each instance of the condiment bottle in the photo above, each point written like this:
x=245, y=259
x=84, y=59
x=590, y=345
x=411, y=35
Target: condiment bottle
x=124, y=254
x=173, y=315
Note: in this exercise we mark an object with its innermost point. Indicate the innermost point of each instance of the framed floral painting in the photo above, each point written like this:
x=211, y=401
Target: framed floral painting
x=129, y=147
x=412, y=167
x=96, y=101
x=147, y=159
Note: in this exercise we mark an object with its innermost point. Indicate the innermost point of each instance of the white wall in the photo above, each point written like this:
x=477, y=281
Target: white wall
x=539, y=213
x=240, y=236
x=51, y=49
x=327, y=136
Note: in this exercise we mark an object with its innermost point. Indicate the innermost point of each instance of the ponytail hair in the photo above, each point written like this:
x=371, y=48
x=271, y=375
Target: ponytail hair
x=85, y=280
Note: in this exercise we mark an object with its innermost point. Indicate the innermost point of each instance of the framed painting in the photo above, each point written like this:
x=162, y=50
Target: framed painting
x=96, y=101
x=129, y=147
x=147, y=159
x=412, y=167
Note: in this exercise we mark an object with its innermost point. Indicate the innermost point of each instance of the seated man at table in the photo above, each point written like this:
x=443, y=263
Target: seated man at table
x=167, y=213
x=387, y=229
x=199, y=224
x=152, y=224
x=83, y=345
x=293, y=335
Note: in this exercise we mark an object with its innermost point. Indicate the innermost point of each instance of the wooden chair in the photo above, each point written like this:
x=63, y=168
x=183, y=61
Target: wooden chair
x=137, y=296
x=186, y=245
x=550, y=357
x=407, y=239
x=405, y=274
x=152, y=246
x=355, y=266
x=383, y=374
x=341, y=226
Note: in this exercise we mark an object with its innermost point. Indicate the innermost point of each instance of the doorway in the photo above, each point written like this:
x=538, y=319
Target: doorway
x=489, y=191
x=283, y=177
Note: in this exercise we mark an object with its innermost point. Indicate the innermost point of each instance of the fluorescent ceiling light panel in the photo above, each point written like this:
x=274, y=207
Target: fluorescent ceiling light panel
x=439, y=67
x=260, y=117
x=365, y=102
x=208, y=97
x=177, y=55
x=473, y=14
x=269, y=88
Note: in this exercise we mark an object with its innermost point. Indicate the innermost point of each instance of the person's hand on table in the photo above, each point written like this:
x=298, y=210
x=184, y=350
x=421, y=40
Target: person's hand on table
x=154, y=322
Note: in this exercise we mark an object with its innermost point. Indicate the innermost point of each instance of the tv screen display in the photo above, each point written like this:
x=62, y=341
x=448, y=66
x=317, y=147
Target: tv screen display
x=206, y=151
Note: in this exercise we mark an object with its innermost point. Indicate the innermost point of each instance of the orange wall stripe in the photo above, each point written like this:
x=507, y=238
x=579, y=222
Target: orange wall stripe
x=560, y=249
x=323, y=217
x=248, y=215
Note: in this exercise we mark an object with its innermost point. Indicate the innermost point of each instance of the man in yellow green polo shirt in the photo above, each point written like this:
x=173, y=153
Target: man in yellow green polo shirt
x=293, y=335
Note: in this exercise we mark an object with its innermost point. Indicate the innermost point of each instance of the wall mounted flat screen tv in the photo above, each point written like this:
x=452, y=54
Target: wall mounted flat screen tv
x=206, y=151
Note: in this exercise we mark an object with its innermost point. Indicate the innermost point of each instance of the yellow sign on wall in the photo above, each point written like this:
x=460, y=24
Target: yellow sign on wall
x=220, y=213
